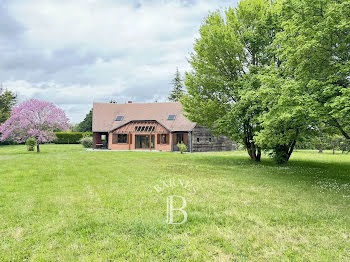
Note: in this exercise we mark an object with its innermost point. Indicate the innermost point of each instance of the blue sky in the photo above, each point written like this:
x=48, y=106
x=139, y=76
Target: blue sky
x=76, y=52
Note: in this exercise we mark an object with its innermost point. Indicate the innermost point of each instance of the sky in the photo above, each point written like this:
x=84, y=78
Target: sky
x=76, y=52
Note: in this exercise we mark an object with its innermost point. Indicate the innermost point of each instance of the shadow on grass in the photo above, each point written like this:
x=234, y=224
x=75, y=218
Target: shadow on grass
x=296, y=167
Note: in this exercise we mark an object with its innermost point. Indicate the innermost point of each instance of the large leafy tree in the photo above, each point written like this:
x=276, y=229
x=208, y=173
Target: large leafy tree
x=7, y=100
x=288, y=115
x=86, y=124
x=314, y=48
x=34, y=119
x=178, y=88
x=230, y=55
x=307, y=90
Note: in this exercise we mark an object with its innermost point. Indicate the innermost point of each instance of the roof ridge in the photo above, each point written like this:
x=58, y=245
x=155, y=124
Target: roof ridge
x=147, y=103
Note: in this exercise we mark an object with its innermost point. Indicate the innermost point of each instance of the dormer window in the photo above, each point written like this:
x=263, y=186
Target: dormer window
x=171, y=117
x=119, y=118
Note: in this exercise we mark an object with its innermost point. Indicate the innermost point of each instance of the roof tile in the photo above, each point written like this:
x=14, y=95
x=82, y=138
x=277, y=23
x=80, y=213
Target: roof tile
x=104, y=115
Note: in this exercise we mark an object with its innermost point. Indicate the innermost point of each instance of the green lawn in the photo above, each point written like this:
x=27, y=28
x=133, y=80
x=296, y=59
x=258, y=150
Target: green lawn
x=67, y=204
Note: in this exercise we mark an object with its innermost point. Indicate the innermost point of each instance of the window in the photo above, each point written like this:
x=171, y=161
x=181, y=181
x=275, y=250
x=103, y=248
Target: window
x=171, y=117
x=145, y=129
x=209, y=139
x=122, y=138
x=197, y=139
x=119, y=118
x=163, y=139
x=180, y=138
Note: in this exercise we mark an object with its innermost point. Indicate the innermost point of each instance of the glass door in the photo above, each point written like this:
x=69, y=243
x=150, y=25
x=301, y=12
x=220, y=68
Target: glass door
x=143, y=141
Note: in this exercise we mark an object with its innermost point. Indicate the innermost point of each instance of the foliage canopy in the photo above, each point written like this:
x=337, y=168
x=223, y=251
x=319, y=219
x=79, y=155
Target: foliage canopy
x=270, y=73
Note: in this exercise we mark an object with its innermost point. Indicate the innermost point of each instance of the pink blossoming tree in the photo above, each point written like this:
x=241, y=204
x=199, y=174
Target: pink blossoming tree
x=36, y=119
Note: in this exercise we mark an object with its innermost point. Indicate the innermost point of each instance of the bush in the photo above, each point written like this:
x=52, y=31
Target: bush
x=86, y=141
x=279, y=156
x=30, y=143
x=8, y=142
x=182, y=147
x=70, y=137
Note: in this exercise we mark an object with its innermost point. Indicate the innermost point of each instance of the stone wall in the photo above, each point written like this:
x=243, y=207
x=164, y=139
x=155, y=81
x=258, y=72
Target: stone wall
x=204, y=141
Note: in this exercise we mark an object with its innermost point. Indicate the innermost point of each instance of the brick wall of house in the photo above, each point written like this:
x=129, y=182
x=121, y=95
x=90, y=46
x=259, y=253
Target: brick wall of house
x=119, y=146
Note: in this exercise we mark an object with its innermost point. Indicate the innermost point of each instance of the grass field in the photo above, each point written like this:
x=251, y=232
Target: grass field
x=67, y=204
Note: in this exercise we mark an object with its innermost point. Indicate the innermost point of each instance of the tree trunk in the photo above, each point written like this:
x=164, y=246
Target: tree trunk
x=291, y=148
x=284, y=152
x=37, y=148
x=320, y=150
x=253, y=151
x=344, y=133
x=259, y=154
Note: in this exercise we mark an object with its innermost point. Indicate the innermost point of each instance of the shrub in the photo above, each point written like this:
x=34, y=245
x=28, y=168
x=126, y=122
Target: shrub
x=182, y=147
x=86, y=141
x=70, y=137
x=279, y=156
x=30, y=143
x=8, y=142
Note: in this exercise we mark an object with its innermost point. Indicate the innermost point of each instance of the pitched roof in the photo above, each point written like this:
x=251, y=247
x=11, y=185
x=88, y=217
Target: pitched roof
x=104, y=115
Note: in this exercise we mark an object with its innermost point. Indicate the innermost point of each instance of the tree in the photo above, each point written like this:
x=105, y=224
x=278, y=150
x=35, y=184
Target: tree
x=73, y=127
x=86, y=124
x=314, y=50
x=345, y=146
x=7, y=100
x=330, y=142
x=34, y=119
x=178, y=89
x=309, y=85
x=288, y=116
x=229, y=57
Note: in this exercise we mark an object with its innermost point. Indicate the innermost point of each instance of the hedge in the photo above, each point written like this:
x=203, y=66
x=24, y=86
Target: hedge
x=70, y=138
x=6, y=143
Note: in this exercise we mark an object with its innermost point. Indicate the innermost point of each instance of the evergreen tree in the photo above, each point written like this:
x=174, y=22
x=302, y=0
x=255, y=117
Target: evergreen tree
x=7, y=100
x=86, y=124
x=178, y=89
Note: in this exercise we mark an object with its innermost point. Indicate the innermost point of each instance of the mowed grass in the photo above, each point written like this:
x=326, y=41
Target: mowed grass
x=67, y=204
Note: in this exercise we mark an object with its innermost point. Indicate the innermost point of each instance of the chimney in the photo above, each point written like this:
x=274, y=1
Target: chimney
x=129, y=102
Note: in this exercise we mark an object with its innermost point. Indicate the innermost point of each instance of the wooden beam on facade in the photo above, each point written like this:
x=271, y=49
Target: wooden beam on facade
x=150, y=142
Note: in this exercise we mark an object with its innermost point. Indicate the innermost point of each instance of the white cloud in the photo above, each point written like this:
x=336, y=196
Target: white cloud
x=76, y=52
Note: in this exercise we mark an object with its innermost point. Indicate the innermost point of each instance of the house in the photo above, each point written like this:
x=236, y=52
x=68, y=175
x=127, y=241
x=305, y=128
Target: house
x=152, y=126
